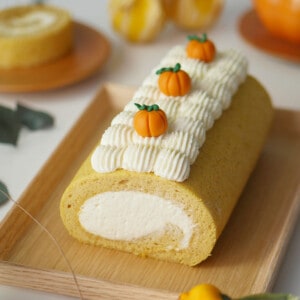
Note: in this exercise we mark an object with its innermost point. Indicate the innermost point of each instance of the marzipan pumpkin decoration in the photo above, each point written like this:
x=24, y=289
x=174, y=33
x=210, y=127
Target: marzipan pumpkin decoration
x=281, y=18
x=174, y=81
x=201, y=48
x=150, y=121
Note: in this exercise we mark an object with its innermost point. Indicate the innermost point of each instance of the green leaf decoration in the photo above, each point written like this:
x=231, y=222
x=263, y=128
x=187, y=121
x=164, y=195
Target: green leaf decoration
x=174, y=69
x=4, y=195
x=12, y=120
x=9, y=126
x=147, y=107
x=270, y=297
x=34, y=119
x=201, y=39
x=225, y=297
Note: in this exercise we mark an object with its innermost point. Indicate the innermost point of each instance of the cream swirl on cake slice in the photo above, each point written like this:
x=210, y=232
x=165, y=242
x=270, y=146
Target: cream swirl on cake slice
x=33, y=35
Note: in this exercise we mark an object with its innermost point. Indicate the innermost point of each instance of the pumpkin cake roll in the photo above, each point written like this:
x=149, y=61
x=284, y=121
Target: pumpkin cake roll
x=168, y=171
x=32, y=35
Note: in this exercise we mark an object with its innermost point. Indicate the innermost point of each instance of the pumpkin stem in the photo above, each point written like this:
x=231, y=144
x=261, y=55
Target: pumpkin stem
x=174, y=69
x=177, y=68
x=139, y=106
x=201, y=39
x=147, y=107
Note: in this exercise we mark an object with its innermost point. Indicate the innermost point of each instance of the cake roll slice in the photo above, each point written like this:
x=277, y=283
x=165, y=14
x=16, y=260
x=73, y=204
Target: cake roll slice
x=33, y=35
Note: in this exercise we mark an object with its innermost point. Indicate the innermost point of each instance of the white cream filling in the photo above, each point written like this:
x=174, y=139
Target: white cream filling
x=29, y=23
x=130, y=215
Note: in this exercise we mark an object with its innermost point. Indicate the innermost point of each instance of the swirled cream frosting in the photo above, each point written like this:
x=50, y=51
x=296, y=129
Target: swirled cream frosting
x=128, y=215
x=32, y=35
x=190, y=117
x=32, y=22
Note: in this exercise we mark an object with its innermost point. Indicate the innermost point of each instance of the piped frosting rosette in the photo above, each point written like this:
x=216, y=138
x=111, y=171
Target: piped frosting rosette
x=190, y=116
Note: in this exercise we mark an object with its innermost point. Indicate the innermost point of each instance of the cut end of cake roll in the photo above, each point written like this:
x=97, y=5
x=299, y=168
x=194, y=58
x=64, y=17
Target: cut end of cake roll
x=139, y=213
x=33, y=35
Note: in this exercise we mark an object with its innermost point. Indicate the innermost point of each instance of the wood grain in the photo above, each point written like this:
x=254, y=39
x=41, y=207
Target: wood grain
x=256, y=34
x=93, y=289
x=244, y=261
x=91, y=50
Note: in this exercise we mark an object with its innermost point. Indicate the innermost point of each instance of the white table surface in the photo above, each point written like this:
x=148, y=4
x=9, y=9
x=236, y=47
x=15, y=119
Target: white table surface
x=129, y=64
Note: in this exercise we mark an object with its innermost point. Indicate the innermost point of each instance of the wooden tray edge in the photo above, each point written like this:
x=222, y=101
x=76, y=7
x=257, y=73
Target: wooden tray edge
x=64, y=284
x=282, y=246
x=71, y=138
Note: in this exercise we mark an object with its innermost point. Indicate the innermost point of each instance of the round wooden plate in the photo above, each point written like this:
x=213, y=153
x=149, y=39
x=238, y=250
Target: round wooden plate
x=256, y=34
x=90, y=51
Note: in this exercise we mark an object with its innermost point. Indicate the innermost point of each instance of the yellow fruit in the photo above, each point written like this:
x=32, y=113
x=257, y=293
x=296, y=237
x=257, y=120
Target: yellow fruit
x=137, y=20
x=193, y=14
x=202, y=292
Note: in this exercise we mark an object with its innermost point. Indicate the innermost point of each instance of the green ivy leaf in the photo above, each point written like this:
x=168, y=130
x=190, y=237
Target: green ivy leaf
x=9, y=125
x=4, y=195
x=34, y=119
x=270, y=297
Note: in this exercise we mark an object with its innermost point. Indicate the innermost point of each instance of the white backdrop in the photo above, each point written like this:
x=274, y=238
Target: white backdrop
x=128, y=65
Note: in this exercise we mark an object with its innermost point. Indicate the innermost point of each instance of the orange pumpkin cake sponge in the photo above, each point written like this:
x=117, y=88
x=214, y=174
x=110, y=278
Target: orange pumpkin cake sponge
x=170, y=194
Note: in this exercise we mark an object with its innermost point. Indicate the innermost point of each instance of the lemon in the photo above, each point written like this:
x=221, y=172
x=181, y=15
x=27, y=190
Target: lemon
x=202, y=292
x=137, y=20
x=194, y=14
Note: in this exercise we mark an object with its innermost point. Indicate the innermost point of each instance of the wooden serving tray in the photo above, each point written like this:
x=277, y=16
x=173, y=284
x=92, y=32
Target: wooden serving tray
x=244, y=261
